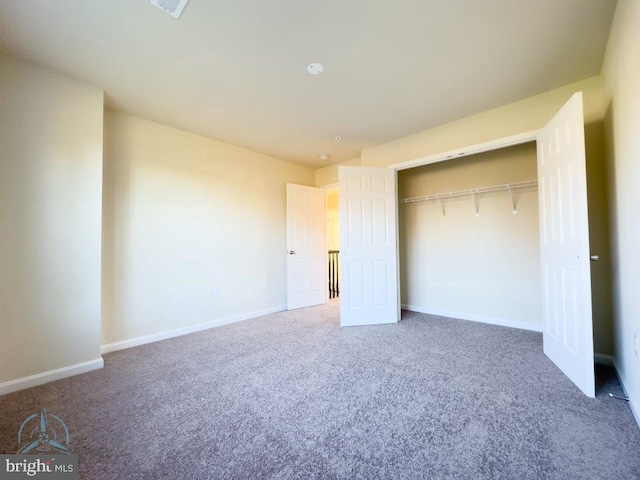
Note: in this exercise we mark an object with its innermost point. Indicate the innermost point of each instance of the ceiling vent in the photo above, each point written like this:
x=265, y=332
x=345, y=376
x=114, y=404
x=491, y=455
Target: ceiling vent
x=172, y=7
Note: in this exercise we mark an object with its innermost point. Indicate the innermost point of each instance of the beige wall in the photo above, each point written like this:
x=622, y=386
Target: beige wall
x=621, y=72
x=50, y=220
x=185, y=215
x=519, y=117
x=485, y=267
x=329, y=175
x=333, y=219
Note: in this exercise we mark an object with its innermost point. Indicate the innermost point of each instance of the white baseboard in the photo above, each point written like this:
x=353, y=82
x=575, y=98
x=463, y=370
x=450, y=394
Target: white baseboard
x=178, y=332
x=632, y=405
x=50, y=376
x=475, y=318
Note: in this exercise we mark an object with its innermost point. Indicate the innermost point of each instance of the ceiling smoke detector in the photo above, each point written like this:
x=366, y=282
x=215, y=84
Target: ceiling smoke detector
x=315, y=68
x=172, y=7
x=324, y=157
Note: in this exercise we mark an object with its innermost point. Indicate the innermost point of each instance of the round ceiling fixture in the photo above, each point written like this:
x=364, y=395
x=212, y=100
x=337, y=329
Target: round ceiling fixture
x=315, y=68
x=324, y=157
x=337, y=138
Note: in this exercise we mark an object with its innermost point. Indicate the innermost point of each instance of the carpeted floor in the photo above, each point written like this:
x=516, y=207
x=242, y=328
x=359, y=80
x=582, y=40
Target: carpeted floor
x=293, y=395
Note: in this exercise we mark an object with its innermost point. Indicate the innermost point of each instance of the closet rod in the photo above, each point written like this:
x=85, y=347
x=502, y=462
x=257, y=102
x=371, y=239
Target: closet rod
x=471, y=191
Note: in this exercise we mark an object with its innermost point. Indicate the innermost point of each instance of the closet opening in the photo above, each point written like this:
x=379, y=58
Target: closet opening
x=469, y=241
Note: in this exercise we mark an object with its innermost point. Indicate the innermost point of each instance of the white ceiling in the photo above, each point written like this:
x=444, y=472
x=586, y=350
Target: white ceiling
x=235, y=70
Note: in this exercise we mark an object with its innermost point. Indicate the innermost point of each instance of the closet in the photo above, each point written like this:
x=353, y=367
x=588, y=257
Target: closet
x=469, y=238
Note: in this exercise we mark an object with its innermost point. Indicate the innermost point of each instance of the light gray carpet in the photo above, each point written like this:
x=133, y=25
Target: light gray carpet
x=293, y=395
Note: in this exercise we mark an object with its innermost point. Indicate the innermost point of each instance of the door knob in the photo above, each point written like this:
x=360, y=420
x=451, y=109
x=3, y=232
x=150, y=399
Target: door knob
x=594, y=258
x=291, y=252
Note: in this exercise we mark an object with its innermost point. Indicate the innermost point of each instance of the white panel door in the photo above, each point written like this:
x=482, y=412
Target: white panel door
x=564, y=245
x=307, y=261
x=368, y=246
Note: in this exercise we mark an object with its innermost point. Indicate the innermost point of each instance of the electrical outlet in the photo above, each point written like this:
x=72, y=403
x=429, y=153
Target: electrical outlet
x=263, y=284
x=216, y=291
x=636, y=344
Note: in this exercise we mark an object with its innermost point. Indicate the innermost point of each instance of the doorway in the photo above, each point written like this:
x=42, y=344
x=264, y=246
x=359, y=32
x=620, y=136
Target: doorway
x=333, y=240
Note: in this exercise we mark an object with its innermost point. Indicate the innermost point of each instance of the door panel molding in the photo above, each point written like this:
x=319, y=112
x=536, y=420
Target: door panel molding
x=368, y=246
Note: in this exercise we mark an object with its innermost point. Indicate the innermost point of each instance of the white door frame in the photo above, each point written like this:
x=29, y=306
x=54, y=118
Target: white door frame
x=496, y=144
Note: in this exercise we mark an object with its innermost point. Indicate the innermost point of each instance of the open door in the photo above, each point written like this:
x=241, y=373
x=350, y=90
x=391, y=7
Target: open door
x=306, y=246
x=564, y=245
x=368, y=246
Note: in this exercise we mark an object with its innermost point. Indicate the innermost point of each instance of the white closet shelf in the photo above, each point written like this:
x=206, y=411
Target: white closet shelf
x=471, y=191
